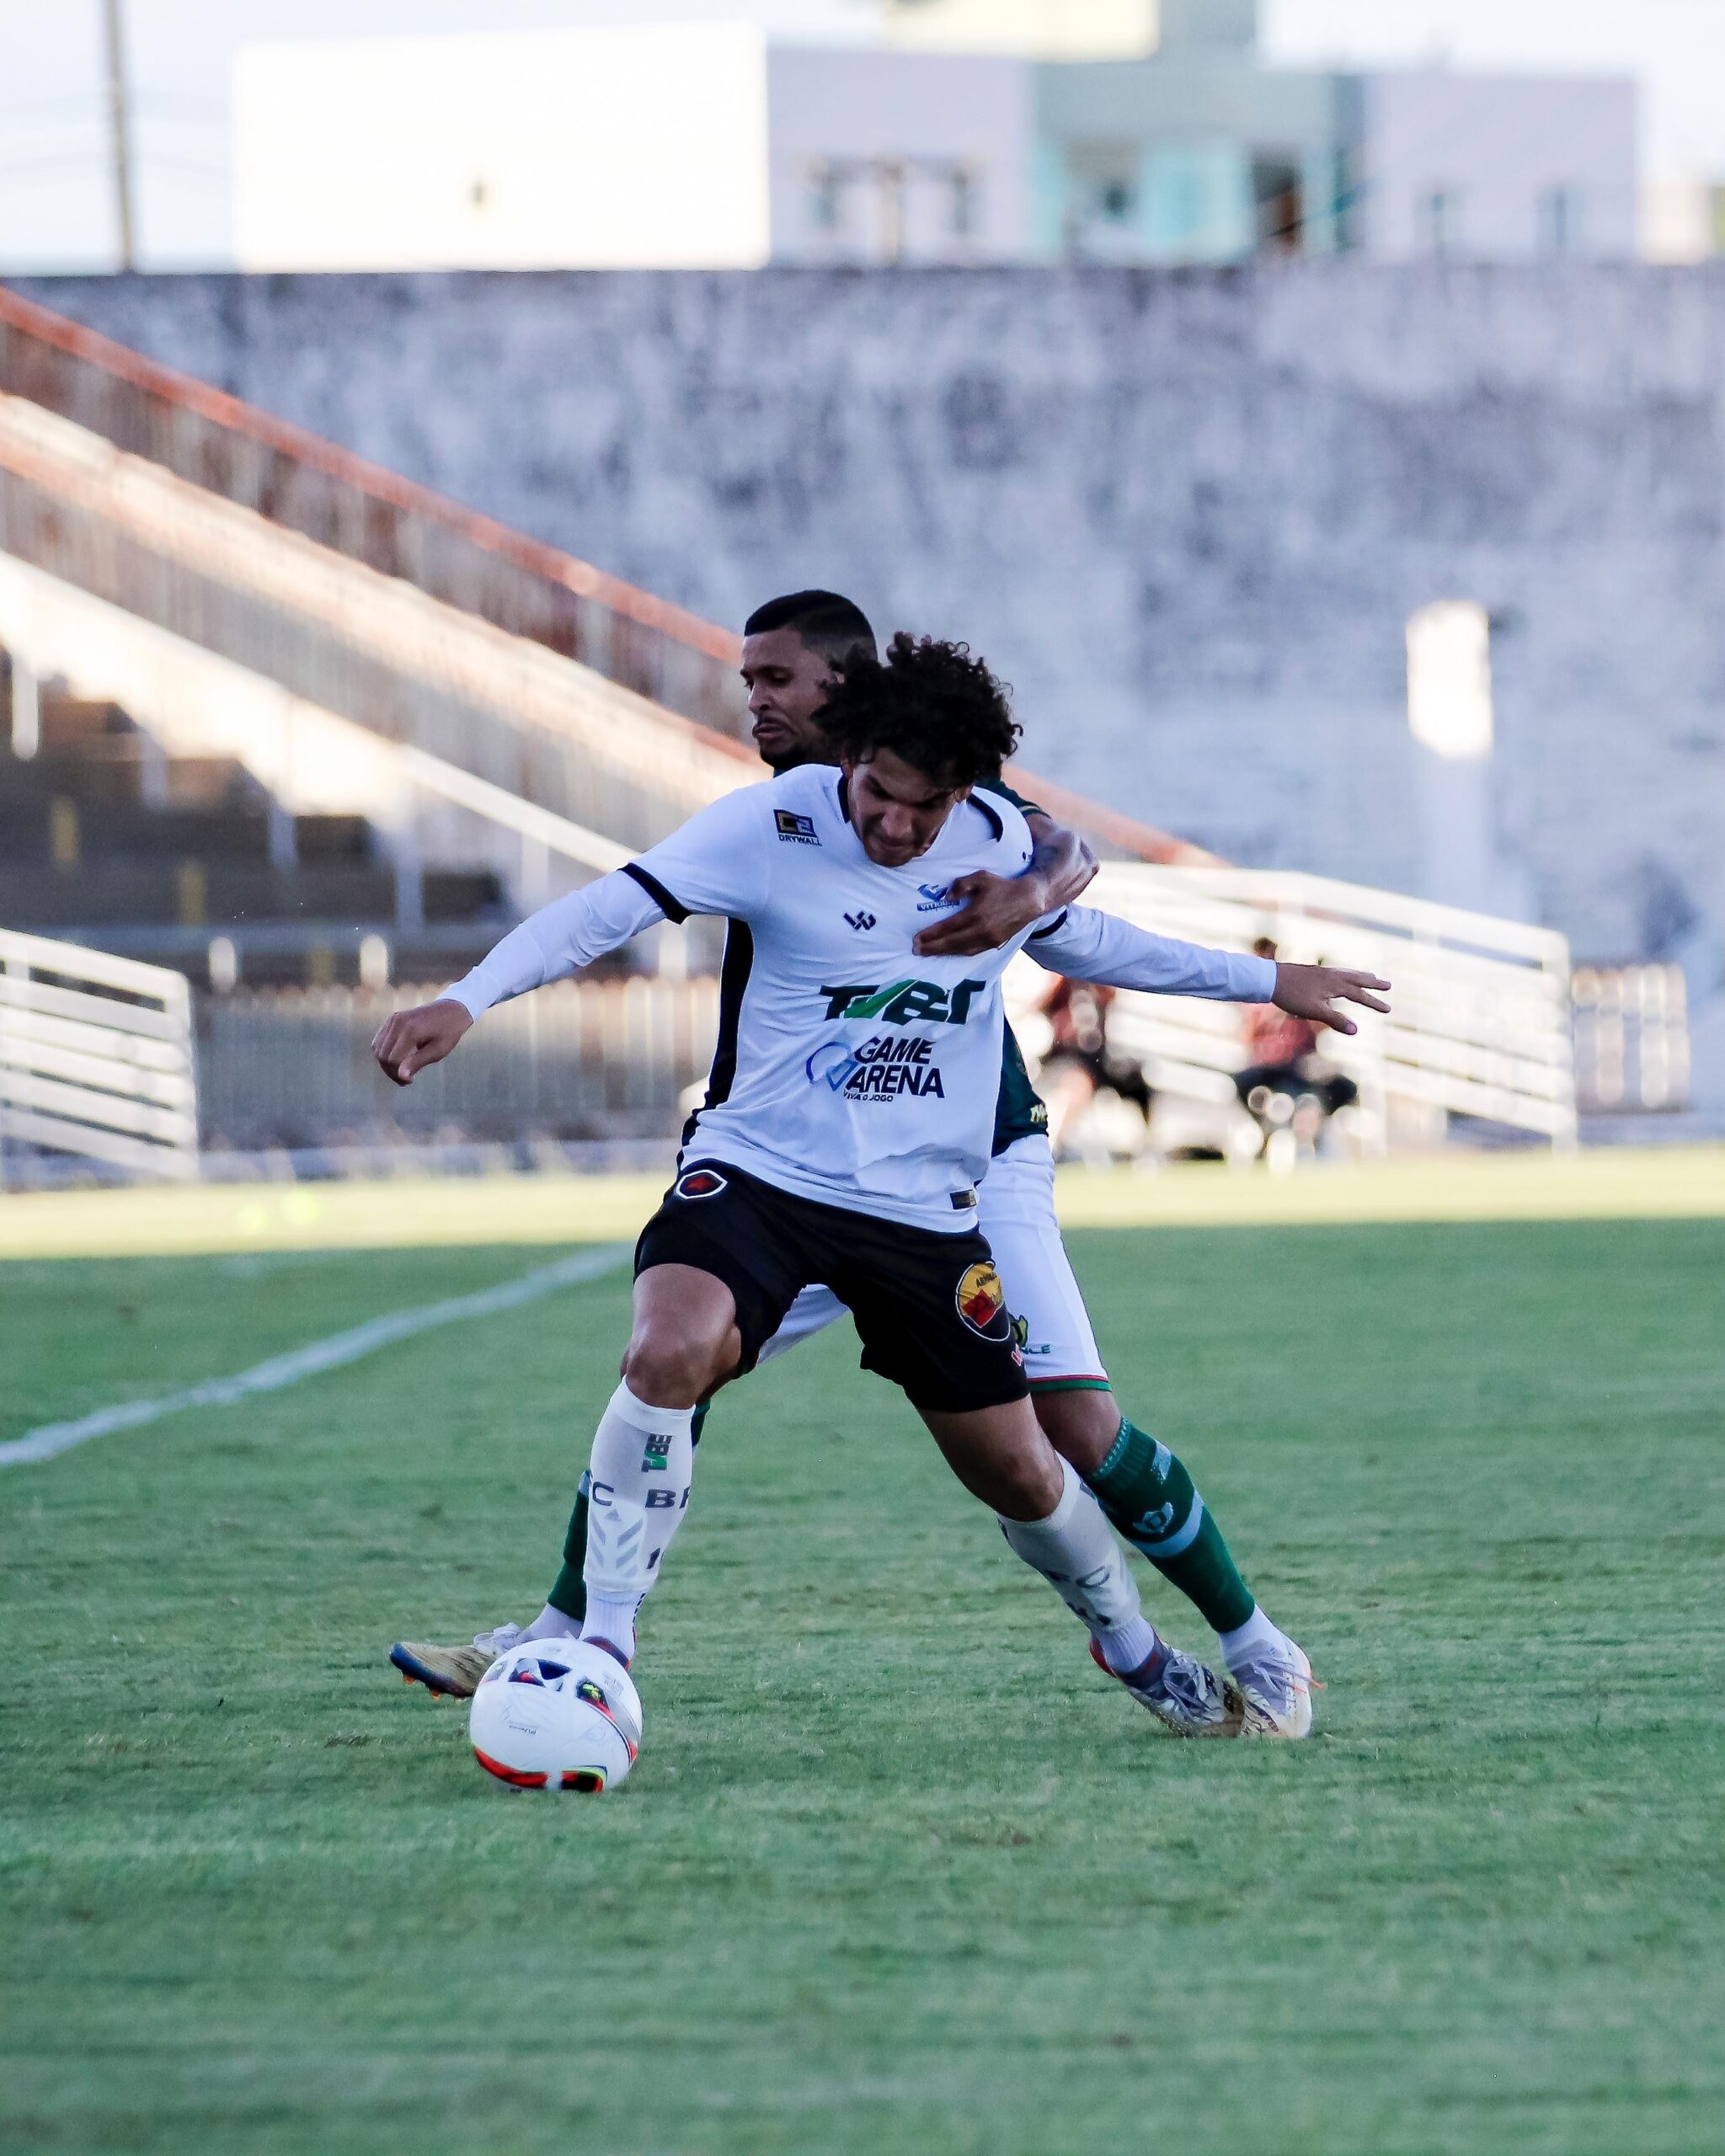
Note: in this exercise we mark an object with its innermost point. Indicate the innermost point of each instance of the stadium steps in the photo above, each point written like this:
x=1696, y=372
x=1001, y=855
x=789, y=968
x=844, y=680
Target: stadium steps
x=104, y=838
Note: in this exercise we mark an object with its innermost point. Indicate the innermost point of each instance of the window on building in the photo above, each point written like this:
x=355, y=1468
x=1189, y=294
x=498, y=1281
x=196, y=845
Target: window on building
x=1438, y=218
x=894, y=209
x=1104, y=200
x=825, y=198
x=1279, y=202
x=965, y=210
x=1346, y=195
x=1560, y=221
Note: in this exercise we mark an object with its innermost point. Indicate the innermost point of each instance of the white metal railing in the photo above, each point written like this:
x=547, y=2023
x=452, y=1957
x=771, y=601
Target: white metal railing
x=407, y=668
x=1632, y=1038
x=584, y=1059
x=1479, y=1023
x=96, y=1057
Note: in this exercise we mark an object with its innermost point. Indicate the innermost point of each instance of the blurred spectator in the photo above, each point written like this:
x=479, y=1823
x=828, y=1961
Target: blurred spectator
x=1079, y=1064
x=1286, y=1084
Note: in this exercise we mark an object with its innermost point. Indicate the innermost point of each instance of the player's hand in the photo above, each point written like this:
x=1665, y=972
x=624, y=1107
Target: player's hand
x=412, y=1040
x=1314, y=992
x=995, y=908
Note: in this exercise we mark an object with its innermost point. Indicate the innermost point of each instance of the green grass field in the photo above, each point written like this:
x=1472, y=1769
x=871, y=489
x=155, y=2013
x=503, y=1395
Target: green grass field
x=897, y=1870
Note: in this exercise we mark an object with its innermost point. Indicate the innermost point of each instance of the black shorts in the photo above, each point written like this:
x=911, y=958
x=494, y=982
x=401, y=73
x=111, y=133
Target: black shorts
x=929, y=1307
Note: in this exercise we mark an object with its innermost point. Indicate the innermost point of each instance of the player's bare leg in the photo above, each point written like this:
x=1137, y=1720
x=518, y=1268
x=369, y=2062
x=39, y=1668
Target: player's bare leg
x=1053, y=1522
x=1148, y=1495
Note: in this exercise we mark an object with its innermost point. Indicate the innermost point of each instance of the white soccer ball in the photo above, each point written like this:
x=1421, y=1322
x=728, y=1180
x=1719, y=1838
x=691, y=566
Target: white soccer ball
x=557, y=1714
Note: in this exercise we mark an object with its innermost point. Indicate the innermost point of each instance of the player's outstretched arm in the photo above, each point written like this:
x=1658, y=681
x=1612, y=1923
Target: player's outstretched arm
x=1313, y=992
x=996, y=908
x=412, y=1040
x=559, y=940
x=715, y=863
x=1087, y=945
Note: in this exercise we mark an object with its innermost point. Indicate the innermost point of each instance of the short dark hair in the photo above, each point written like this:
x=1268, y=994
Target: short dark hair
x=930, y=702
x=825, y=621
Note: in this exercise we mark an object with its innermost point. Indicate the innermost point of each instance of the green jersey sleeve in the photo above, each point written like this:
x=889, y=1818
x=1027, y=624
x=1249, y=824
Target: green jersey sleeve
x=998, y=786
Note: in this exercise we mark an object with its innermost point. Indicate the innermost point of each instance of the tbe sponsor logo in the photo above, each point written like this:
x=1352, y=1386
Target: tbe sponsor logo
x=903, y=1002
x=878, y=1069
x=934, y=898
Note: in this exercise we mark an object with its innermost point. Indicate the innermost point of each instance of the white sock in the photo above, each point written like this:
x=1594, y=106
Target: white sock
x=1075, y=1551
x=642, y=1458
x=1246, y=1639
x=1128, y=1646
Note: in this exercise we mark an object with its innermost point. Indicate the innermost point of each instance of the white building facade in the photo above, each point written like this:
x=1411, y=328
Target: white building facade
x=709, y=144
x=1496, y=168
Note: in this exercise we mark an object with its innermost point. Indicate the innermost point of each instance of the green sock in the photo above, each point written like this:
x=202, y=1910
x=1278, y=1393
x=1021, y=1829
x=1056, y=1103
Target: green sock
x=569, y=1595
x=1148, y=1495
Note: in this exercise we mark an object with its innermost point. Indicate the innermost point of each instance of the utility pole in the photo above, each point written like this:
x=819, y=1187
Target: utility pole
x=119, y=137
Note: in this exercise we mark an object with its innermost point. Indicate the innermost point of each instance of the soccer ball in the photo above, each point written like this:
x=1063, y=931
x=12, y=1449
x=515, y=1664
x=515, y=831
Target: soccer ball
x=557, y=1714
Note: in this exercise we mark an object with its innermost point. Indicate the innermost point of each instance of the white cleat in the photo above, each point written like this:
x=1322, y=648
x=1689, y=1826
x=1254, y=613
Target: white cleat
x=1276, y=1684
x=1185, y=1697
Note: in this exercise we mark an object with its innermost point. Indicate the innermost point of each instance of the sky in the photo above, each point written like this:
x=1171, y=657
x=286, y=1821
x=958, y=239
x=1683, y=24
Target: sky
x=55, y=210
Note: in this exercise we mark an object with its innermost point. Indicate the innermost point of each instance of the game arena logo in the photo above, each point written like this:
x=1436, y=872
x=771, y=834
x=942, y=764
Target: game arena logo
x=981, y=1303
x=878, y=1069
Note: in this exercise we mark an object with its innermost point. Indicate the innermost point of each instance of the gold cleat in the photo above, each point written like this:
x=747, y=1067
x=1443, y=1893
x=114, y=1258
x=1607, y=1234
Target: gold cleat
x=451, y=1672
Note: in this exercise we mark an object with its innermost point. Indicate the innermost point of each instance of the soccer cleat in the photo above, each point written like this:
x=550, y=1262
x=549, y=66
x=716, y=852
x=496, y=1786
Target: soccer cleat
x=1276, y=1684
x=451, y=1672
x=1184, y=1696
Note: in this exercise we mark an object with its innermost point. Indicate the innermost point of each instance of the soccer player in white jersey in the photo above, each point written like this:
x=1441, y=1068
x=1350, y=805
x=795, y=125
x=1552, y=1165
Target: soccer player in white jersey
x=822, y=1156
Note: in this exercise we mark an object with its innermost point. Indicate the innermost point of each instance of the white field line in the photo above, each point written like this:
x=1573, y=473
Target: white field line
x=328, y=1354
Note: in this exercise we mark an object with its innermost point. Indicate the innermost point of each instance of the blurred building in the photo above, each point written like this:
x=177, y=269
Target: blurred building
x=980, y=131
x=1683, y=218
x=1047, y=29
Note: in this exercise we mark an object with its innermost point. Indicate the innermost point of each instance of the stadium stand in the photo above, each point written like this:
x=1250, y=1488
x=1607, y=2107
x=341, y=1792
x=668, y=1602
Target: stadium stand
x=104, y=837
x=278, y=717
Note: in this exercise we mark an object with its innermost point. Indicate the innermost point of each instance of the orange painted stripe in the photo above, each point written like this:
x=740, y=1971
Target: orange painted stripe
x=304, y=447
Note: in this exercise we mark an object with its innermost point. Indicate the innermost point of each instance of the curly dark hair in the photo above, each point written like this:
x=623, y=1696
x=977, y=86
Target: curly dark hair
x=930, y=702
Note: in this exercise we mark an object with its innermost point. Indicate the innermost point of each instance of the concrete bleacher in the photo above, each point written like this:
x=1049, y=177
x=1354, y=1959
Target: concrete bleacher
x=105, y=840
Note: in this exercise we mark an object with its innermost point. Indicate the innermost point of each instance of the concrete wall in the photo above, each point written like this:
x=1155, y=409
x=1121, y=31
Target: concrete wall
x=1187, y=515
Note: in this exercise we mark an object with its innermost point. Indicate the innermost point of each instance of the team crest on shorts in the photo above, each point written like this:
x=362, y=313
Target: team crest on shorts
x=701, y=1182
x=982, y=1303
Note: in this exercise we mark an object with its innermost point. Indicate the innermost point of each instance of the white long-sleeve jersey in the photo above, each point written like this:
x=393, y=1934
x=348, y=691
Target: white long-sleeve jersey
x=848, y=1069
